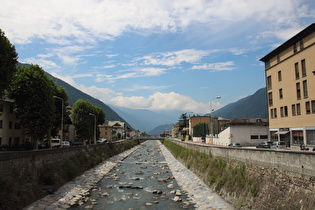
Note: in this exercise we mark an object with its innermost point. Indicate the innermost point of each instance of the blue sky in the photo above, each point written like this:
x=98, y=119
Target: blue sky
x=155, y=54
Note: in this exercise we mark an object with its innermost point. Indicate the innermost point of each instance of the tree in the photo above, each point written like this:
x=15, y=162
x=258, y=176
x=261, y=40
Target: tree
x=8, y=61
x=83, y=120
x=32, y=90
x=183, y=121
x=201, y=130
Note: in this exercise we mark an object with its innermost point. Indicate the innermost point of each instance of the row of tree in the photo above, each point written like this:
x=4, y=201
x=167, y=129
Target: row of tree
x=36, y=101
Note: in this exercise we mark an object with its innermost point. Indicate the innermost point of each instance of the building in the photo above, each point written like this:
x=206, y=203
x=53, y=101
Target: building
x=290, y=82
x=247, y=132
x=118, y=129
x=12, y=135
x=105, y=132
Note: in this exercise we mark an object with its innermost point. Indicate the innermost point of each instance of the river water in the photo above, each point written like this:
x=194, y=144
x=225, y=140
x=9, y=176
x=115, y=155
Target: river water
x=142, y=180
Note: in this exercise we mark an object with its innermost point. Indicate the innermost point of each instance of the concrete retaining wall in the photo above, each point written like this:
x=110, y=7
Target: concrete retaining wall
x=300, y=162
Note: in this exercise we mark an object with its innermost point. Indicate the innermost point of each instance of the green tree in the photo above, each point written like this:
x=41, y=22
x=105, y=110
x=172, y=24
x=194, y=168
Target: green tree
x=183, y=121
x=32, y=90
x=8, y=61
x=83, y=120
x=201, y=129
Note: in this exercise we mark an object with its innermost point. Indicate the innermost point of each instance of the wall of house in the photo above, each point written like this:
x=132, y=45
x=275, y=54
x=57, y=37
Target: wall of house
x=300, y=162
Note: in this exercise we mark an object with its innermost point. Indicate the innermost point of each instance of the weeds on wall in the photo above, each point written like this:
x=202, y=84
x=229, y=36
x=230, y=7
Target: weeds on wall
x=22, y=188
x=217, y=172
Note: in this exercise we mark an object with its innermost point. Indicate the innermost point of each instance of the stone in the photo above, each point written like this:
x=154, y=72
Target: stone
x=177, y=199
x=170, y=186
x=148, y=204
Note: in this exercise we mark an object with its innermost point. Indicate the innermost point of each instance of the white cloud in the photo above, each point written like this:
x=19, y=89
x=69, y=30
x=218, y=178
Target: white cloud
x=45, y=64
x=143, y=87
x=86, y=21
x=225, y=66
x=174, y=58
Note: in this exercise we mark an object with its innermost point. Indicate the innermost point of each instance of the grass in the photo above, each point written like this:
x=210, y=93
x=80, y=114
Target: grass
x=219, y=173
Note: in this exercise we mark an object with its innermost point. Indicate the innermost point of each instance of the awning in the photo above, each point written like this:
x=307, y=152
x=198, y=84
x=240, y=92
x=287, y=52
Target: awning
x=282, y=132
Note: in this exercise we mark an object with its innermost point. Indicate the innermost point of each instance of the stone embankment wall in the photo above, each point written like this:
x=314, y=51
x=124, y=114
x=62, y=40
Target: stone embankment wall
x=298, y=162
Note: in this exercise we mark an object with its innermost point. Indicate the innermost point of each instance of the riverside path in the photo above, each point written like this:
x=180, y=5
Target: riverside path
x=144, y=177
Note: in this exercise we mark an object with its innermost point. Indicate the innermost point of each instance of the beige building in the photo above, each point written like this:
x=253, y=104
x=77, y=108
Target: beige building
x=290, y=82
x=105, y=132
x=11, y=133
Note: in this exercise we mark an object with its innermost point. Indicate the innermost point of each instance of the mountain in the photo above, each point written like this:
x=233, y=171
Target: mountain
x=75, y=94
x=160, y=129
x=146, y=120
x=253, y=106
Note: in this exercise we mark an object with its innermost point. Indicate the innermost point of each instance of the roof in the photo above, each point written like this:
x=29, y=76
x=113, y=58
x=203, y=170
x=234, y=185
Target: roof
x=310, y=29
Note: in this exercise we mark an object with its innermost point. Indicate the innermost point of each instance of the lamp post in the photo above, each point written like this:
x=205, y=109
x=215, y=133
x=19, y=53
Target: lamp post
x=61, y=127
x=94, y=139
x=211, y=120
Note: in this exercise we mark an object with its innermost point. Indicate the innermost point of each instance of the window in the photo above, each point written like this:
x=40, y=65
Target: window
x=297, y=72
x=295, y=48
x=298, y=109
x=1, y=107
x=298, y=91
x=0, y=123
x=293, y=110
x=301, y=44
x=278, y=58
x=281, y=112
x=254, y=137
x=310, y=137
x=273, y=113
x=297, y=137
x=0, y=141
x=269, y=84
x=305, y=92
x=279, y=76
x=17, y=126
x=11, y=108
x=280, y=93
x=10, y=124
x=284, y=111
x=303, y=66
x=263, y=136
x=308, y=107
x=313, y=106
x=270, y=99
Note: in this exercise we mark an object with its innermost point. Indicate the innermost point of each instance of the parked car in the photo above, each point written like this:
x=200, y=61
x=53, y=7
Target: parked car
x=101, y=141
x=76, y=143
x=55, y=143
x=264, y=144
x=278, y=145
x=235, y=145
x=65, y=144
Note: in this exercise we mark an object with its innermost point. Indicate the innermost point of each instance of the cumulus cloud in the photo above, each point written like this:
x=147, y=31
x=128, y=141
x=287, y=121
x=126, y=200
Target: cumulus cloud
x=87, y=21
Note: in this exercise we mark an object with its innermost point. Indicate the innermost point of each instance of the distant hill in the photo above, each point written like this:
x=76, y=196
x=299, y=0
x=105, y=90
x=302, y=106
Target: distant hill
x=75, y=94
x=160, y=129
x=253, y=106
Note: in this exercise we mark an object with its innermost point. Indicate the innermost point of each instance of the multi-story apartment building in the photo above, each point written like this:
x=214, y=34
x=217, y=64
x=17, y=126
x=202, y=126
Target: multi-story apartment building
x=290, y=82
x=11, y=133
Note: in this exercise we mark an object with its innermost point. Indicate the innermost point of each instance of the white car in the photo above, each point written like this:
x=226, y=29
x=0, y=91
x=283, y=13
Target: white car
x=278, y=145
x=101, y=141
x=65, y=144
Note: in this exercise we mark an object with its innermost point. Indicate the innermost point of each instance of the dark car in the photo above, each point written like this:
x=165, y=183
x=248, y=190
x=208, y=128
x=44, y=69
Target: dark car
x=235, y=145
x=264, y=144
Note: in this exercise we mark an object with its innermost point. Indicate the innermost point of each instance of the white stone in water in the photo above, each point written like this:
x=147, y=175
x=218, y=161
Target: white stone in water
x=170, y=186
x=177, y=199
x=148, y=204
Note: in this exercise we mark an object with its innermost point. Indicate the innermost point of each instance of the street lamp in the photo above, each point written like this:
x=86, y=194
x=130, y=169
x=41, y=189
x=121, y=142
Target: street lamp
x=211, y=120
x=94, y=139
x=61, y=127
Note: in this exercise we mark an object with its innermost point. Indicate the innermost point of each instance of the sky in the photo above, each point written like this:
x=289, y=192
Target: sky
x=155, y=54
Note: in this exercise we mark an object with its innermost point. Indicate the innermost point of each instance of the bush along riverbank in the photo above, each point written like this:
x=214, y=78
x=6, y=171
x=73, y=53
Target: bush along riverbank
x=248, y=186
x=20, y=188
